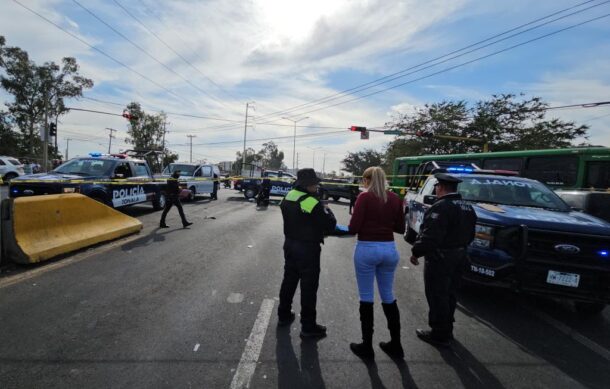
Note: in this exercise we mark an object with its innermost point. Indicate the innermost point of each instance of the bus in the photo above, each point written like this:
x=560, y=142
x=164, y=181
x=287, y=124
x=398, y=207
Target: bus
x=580, y=175
x=573, y=168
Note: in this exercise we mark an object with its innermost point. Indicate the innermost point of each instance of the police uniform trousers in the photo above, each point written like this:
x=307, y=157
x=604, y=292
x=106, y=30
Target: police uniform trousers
x=173, y=200
x=301, y=264
x=442, y=274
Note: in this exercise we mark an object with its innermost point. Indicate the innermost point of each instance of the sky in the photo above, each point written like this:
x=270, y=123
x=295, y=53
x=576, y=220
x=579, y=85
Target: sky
x=204, y=61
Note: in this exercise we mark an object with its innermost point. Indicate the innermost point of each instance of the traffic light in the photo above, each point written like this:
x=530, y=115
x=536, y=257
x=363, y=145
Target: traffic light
x=356, y=128
x=52, y=129
x=424, y=134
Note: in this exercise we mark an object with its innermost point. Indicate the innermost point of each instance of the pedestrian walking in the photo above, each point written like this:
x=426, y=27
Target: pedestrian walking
x=306, y=220
x=378, y=214
x=354, y=191
x=173, y=198
x=447, y=229
x=262, y=200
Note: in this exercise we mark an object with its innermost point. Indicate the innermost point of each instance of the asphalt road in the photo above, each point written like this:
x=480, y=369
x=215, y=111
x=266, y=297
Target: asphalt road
x=183, y=308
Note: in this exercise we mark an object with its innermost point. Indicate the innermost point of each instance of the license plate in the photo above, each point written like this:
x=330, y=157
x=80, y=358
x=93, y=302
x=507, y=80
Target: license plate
x=564, y=279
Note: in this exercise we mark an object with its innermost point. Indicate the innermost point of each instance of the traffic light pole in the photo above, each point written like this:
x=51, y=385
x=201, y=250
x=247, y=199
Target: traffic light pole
x=45, y=136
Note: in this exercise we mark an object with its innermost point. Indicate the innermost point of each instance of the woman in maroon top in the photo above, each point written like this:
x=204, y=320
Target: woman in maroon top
x=378, y=214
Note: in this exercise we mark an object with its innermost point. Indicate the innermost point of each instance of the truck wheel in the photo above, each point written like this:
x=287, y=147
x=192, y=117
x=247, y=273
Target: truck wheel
x=8, y=177
x=411, y=235
x=193, y=193
x=336, y=198
x=589, y=308
x=159, y=202
x=250, y=193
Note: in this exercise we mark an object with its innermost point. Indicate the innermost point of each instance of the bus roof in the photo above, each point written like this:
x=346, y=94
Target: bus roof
x=523, y=153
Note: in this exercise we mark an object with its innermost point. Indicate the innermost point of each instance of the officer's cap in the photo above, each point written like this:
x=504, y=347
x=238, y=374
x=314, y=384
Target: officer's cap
x=307, y=177
x=447, y=178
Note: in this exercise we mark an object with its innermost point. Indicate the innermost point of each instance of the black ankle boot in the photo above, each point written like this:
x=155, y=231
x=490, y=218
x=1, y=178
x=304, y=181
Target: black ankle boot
x=365, y=349
x=393, y=348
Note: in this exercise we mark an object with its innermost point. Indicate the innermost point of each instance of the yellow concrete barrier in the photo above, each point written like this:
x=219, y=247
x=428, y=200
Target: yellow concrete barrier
x=41, y=227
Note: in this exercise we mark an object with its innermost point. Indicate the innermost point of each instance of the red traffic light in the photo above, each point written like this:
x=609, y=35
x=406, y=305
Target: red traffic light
x=356, y=128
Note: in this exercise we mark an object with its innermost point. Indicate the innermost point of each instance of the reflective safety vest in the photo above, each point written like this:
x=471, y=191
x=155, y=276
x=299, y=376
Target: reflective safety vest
x=306, y=201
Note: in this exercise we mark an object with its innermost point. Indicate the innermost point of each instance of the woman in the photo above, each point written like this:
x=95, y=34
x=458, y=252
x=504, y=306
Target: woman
x=378, y=213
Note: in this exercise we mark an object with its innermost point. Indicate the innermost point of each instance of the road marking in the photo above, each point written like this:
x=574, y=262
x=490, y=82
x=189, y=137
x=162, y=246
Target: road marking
x=196, y=347
x=572, y=333
x=247, y=363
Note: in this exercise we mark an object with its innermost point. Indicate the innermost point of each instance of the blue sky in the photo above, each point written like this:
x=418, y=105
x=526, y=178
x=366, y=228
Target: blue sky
x=281, y=54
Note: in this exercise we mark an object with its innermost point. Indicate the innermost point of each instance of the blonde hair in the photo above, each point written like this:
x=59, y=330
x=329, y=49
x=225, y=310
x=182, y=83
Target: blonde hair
x=377, y=182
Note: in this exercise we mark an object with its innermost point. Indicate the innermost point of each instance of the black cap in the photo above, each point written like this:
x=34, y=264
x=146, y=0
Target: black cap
x=306, y=177
x=448, y=178
x=176, y=173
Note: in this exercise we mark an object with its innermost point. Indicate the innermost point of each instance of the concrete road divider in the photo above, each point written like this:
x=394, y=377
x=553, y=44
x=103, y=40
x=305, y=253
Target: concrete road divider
x=38, y=228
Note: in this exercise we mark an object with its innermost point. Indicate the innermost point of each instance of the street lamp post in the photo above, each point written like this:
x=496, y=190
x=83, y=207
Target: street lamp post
x=313, y=159
x=294, y=138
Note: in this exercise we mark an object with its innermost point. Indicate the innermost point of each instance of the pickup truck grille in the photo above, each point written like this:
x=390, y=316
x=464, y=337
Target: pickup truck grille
x=541, y=247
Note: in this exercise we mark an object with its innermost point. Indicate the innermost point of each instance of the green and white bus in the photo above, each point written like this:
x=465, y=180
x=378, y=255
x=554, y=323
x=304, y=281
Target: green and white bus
x=580, y=175
x=574, y=168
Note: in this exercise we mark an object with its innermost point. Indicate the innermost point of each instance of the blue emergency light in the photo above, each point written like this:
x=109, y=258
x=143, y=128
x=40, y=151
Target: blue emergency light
x=603, y=253
x=95, y=154
x=460, y=169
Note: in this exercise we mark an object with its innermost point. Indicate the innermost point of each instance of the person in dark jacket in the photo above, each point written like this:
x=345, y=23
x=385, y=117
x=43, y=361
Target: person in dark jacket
x=172, y=197
x=447, y=229
x=306, y=220
x=378, y=214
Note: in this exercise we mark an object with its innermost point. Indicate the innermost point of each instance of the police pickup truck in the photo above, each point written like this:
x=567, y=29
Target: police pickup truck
x=115, y=180
x=338, y=188
x=527, y=238
x=280, y=181
x=198, y=178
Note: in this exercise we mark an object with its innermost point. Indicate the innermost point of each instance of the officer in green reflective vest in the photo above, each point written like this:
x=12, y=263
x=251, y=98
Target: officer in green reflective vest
x=306, y=220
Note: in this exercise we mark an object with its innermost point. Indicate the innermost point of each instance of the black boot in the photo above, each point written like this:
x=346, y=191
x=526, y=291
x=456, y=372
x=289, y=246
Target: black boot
x=365, y=349
x=393, y=348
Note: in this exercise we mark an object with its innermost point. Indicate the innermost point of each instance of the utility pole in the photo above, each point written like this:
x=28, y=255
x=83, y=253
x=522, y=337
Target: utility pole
x=191, y=144
x=67, y=147
x=324, y=164
x=243, y=156
x=110, y=136
x=45, y=137
x=294, y=137
x=297, y=161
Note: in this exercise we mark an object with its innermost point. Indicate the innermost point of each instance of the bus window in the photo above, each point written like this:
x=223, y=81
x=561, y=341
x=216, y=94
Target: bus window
x=503, y=164
x=598, y=175
x=554, y=171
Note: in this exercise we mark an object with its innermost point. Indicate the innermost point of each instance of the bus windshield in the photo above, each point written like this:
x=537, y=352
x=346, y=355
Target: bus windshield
x=507, y=191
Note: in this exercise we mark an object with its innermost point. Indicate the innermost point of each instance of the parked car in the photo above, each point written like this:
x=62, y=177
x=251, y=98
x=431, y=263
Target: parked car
x=10, y=168
x=198, y=178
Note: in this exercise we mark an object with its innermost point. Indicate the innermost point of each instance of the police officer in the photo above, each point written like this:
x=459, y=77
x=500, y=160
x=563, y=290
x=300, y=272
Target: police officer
x=305, y=222
x=265, y=191
x=173, y=198
x=448, y=227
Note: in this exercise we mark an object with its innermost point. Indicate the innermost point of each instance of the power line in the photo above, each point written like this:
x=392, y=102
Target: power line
x=458, y=65
x=392, y=77
x=143, y=50
x=100, y=51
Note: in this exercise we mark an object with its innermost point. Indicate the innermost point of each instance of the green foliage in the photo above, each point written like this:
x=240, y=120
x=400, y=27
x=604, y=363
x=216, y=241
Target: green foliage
x=146, y=133
x=505, y=122
x=357, y=162
x=35, y=89
x=271, y=157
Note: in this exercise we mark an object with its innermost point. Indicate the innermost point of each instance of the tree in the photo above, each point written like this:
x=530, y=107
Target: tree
x=37, y=89
x=271, y=157
x=9, y=139
x=252, y=157
x=146, y=133
x=504, y=122
x=356, y=163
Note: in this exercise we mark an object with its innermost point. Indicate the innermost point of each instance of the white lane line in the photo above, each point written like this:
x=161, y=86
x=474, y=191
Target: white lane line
x=196, y=347
x=247, y=363
x=572, y=333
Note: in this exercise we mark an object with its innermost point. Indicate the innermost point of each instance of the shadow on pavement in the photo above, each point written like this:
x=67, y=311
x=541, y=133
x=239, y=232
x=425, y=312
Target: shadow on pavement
x=515, y=318
x=156, y=235
x=291, y=375
x=471, y=372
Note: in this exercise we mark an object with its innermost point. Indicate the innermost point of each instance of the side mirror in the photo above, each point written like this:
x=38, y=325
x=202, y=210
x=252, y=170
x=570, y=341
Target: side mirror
x=429, y=199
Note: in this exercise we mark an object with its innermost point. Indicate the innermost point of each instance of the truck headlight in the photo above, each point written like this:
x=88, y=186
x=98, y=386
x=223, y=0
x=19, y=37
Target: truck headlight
x=484, y=236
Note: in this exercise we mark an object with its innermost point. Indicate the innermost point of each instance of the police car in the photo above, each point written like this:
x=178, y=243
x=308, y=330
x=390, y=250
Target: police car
x=281, y=183
x=527, y=238
x=198, y=178
x=115, y=180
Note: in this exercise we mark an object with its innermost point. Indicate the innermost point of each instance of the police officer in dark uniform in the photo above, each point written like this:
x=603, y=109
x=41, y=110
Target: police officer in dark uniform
x=263, y=195
x=447, y=229
x=306, y=220
x=172, y=197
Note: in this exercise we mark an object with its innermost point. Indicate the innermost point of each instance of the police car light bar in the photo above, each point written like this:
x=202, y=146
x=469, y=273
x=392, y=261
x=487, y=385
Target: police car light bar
x=460, y=169
x=603, y=253
x=95, y=154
